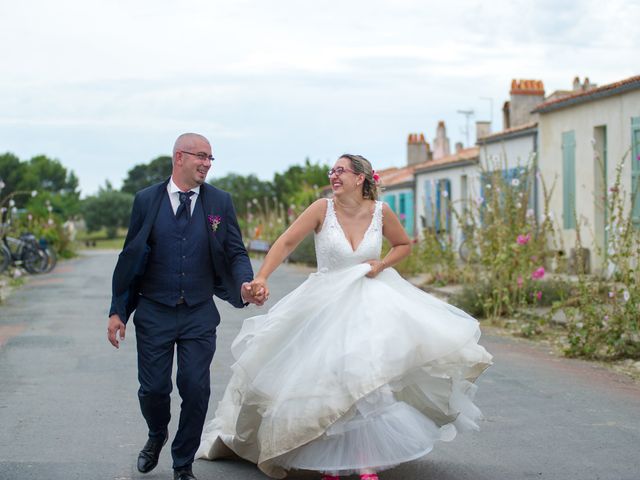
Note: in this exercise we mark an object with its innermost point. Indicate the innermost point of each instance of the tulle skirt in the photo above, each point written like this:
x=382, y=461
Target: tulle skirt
x=348, y=373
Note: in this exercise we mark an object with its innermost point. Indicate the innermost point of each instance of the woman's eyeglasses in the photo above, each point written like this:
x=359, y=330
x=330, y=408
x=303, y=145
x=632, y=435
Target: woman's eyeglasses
x=339, y=171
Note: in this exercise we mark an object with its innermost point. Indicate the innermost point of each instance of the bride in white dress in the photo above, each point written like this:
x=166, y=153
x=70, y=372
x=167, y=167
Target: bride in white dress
x=356, y=370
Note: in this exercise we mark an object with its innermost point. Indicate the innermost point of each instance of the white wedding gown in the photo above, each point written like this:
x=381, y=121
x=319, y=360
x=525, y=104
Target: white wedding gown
x=348, y=372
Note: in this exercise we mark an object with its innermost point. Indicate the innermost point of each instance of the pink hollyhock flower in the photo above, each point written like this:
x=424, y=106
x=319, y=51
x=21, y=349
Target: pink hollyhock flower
x=520, y=281
x=538, y=295
x=524, y=239
x=538, y=273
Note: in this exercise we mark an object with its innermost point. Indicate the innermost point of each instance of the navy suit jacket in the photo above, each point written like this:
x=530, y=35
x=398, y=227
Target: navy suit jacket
x=229, y=257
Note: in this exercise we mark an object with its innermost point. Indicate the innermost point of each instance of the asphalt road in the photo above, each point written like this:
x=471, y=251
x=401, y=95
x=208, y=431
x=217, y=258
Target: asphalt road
x=69, y=410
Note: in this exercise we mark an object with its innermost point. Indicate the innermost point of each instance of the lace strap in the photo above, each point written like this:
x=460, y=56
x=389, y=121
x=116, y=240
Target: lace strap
x=329, y=216
x=378, y=214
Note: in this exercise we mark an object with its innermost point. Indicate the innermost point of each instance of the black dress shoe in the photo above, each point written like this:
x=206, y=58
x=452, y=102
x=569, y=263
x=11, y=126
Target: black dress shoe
x=148, y=457
x=183, y=474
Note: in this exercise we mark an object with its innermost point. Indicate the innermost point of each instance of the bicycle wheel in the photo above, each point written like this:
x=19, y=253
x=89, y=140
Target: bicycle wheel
x=52, y=259
x=5, y=258
x=34, y=260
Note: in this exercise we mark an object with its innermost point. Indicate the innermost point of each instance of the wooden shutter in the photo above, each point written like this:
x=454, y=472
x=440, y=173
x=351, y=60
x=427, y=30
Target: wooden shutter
x=391, y=201
x=428, y=204
x=635, y=168
x=410, y=208
x=569, y=179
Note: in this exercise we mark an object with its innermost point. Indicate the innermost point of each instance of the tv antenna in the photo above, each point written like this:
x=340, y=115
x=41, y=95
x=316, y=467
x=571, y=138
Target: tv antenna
x=468, y=114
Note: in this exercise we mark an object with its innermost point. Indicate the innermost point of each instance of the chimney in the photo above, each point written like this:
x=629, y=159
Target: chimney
x=418, y=150
x=441, y=142
x=506, y=121
x=576, y=84
x=483, y=129
x=459, y=147
x=525, y=96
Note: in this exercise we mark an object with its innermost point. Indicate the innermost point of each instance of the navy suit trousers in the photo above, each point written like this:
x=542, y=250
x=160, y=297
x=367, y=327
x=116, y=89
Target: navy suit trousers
x=191, y=331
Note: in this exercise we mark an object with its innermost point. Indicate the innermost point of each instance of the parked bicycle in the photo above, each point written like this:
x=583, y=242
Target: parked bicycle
x=25, y=252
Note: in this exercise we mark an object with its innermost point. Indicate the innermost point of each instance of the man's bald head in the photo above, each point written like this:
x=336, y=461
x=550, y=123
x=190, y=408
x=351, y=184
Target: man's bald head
x=186, y=141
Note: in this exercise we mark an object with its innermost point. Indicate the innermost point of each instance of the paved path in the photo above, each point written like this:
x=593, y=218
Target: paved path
x=68, y=404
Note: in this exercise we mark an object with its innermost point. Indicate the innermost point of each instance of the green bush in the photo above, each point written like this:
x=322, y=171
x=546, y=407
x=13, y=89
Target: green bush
x=604, y=319
x=305, y=252
x=476, y=299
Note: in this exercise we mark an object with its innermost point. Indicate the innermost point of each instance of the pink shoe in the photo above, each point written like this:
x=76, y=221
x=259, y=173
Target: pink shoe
x=369, y=476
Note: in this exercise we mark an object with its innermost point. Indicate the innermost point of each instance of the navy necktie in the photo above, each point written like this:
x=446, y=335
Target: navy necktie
x=183, y=214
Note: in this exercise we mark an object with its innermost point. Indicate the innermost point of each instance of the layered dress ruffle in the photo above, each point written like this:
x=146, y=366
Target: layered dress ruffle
x=348, y=372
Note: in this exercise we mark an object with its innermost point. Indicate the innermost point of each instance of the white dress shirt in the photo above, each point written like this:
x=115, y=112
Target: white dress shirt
x=174, y=196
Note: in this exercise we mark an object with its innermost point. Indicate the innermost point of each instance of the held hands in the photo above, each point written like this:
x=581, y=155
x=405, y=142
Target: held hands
x=376, y=267
x=255, y=292
x=115, y=330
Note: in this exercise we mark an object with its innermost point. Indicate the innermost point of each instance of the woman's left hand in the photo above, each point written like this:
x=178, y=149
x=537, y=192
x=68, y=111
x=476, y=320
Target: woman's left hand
x=376, y=267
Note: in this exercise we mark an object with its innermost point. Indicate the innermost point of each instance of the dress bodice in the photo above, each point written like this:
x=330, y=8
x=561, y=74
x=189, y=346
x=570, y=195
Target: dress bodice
x=333, y=250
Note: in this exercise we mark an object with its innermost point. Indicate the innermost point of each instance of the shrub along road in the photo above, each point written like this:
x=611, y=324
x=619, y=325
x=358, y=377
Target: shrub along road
x=69, y=410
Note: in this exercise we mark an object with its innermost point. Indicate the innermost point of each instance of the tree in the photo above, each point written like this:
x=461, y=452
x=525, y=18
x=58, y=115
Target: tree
x=109, y=209
x=299, y=184
x=11, y=171
x=48, y=177
x=45, y=174
x=244, y=189
x=145, y=174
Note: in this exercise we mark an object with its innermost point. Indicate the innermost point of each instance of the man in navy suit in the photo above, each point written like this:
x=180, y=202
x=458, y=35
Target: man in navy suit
x=183, y=246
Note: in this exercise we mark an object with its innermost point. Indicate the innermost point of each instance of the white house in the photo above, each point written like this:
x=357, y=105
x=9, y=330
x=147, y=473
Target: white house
x=516, y=145
x=405, y=187
x=582, y=137
x=449, y=182
x=398, y=193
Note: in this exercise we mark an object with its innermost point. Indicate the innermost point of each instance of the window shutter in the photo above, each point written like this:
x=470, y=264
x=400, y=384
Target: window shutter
x=428, y=204
x=635, y=168
x=409, y=213
x=391, y=201
x=569, y=179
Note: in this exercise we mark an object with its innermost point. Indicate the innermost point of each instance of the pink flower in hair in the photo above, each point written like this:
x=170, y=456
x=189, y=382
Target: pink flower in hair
x=376, y=177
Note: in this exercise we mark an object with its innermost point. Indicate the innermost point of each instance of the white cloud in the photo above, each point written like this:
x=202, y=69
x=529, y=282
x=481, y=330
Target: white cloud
x=273, y=82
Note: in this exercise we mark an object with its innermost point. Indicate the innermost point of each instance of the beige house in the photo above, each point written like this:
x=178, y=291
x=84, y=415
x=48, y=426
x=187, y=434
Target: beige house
x=582, y=137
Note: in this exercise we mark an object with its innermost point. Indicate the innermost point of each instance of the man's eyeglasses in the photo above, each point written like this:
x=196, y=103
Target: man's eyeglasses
x=201, y=156
x=339, y=171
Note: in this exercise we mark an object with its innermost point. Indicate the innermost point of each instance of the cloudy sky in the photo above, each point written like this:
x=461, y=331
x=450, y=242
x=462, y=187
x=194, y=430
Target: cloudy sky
x=103, y=85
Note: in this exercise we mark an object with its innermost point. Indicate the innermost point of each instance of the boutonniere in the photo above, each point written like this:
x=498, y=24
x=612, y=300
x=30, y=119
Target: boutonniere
x=214, y=221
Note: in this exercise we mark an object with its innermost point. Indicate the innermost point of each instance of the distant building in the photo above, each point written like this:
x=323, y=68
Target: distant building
x=443, y=184
x=582, y=136
x=516, y=145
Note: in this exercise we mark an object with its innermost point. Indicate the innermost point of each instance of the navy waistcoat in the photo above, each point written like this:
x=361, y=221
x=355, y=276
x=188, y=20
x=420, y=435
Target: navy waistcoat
x=179, y=263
